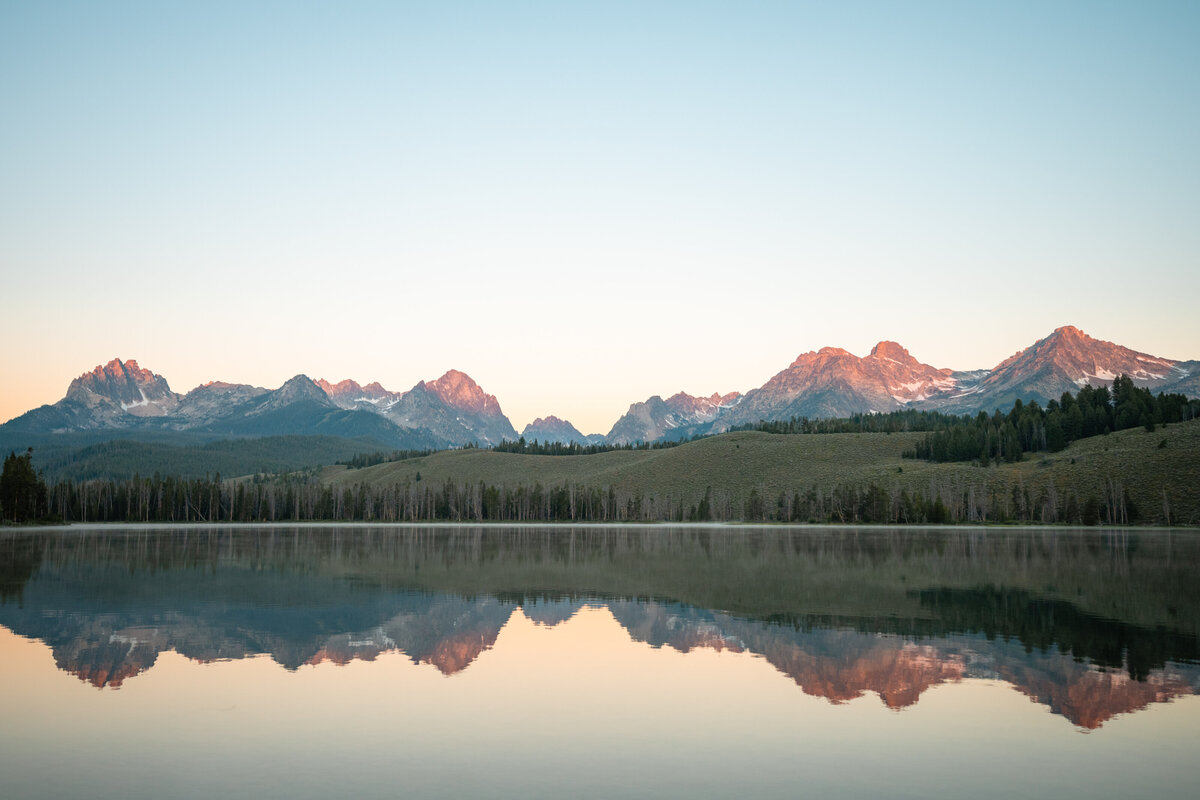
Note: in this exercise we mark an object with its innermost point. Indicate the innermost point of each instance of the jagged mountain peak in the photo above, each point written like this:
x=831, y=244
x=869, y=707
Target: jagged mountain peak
x=1068, y=331
x=681, y=397
x=341, y=387
x=116, y=371
x=832, y=382
x=301, y=387
x=824, y=353
x=552, y=429
x=699, y=406
x=718, y=399
x=459, y=390
x=117, y=367
x=455, y=408
x=1063, y=362
x=135, y=390
x=1084, y=358
x=217, y=385
x=350, y=394
x=680, y=415
x=891, y=351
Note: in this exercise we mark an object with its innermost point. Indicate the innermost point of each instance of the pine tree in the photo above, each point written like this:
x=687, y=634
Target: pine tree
x=23, y=494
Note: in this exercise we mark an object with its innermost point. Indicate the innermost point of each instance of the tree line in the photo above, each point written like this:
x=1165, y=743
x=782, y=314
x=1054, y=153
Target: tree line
x=521, y=445
x=23, y=493
x=1028, y=428
x=537, y=448
x=361, y=460
x=303, y=499
x=903, y=421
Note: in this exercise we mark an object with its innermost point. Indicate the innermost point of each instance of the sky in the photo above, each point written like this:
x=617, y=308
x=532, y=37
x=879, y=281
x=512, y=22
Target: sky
x=585, y=204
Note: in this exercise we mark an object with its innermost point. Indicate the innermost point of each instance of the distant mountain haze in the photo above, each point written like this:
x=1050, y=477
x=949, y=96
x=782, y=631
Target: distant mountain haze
x=454, y=411
x=552, y=430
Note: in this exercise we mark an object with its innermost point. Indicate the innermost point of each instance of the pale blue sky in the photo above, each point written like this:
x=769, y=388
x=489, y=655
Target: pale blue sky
x=580, y=204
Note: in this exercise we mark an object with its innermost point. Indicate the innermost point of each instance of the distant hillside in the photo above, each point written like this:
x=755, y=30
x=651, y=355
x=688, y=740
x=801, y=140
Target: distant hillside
x=73, y=458
x=1158, y=473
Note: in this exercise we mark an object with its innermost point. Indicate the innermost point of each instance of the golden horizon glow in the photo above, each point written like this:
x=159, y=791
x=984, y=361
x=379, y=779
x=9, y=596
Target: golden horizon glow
x=586, y=206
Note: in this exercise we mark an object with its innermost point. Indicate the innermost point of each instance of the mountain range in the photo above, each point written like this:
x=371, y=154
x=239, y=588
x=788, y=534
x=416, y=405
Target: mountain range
x=454, y=411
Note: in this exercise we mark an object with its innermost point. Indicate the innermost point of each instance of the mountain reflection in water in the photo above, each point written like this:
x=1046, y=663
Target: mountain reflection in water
x=1090, y=624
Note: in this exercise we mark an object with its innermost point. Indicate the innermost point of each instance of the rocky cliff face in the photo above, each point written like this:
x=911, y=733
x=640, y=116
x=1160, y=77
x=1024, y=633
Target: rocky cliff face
x=680, y=416
x=349, y=394
x=832, y=382
x=454, y=408
x=134, y=390
x=118, y=394
x=300, y=389
x=210, y=401
x=1064, y=361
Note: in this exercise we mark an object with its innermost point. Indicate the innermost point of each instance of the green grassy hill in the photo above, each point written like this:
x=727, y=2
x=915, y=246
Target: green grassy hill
x=186, y=456
x=1156, y=475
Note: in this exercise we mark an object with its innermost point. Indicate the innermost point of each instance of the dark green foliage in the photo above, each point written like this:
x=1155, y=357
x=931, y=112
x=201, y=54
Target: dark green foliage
x=121, y=459
x=305, y=498
x=755, y=509
x=23, y=494
x=320, y=420
x=1007, y=437
x=379, y=457
x=576, y=449
x=1031, y=429
x=906, y=421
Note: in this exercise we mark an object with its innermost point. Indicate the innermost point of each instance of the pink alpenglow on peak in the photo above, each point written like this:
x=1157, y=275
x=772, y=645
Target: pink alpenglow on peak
x=454, y=410
x=833, y=382
x=718, y=399
x=349, y=394
x=134, y=390
x=457, y=389
x=891, y=351
x=1068, y=359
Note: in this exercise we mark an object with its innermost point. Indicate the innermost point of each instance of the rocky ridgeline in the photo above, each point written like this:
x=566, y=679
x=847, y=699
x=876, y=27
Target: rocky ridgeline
x=454, y=410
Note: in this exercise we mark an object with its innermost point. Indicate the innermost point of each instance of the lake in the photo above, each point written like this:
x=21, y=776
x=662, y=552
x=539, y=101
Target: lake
x=655, y=661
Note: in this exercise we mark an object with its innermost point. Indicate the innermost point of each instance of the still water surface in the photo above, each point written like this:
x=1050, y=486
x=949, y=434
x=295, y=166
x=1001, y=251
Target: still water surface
x=599, y=662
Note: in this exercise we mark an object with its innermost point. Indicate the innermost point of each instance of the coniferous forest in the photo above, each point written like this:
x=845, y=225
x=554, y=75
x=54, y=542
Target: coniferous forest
x=305, y=499
x=1028, y=428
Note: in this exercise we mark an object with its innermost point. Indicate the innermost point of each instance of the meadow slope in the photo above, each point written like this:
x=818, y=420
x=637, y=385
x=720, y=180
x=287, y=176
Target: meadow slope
x=1157, y=474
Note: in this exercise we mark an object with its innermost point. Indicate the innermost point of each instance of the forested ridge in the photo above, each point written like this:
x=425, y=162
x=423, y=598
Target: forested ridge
x=1028, y=428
